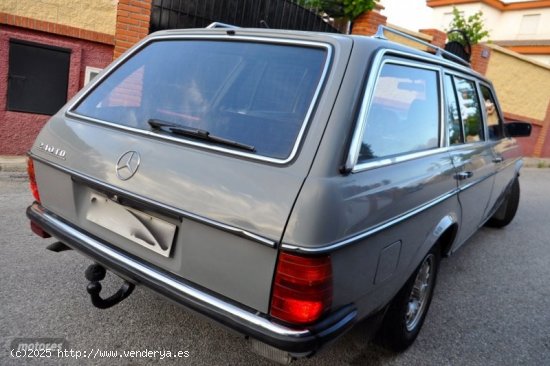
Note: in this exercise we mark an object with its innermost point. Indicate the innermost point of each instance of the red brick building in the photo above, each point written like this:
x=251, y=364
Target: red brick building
x=49, y=51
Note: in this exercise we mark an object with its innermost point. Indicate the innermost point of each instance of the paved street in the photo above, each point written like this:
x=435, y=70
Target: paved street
x=491, y=306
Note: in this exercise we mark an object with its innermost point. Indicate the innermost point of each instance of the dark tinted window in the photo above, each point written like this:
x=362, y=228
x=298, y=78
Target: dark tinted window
x=470, y=109
x=452, y=113
x=38, y=77
x=404, y=113
x=252, y=93
x=494, y=122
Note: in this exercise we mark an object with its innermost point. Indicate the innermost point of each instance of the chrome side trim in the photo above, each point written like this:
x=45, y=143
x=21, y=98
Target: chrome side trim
x=439, y=51
x=363, y=111
x=328, y=61
x=230, y=229
x=396, y=159
x=472, y=183
x=454, y=68
x=374, y=230
x=229, y=310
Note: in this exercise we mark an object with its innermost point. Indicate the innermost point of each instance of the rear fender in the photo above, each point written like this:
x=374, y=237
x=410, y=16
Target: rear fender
x=439, y=230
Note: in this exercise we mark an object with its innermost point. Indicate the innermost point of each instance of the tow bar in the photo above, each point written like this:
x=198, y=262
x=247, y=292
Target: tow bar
x=95, y=273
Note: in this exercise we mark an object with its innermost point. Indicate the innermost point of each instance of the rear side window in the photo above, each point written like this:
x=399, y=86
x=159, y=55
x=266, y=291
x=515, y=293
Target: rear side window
x=256, y=94
x=404, y=113
x=470, y=110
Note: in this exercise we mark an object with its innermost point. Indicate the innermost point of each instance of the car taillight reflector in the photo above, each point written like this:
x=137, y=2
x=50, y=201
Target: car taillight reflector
x=39, y=231
x=32, y=180
x=302, y=289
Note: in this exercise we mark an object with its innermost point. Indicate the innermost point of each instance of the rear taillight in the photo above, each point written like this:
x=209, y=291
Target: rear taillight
x=302, y=289
x=32, y=180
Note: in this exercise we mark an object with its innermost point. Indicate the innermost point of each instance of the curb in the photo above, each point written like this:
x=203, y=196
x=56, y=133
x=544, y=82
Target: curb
x=13, y=163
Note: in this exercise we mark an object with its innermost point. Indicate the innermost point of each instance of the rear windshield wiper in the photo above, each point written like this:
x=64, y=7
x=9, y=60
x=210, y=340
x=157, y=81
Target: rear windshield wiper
x=157, y=124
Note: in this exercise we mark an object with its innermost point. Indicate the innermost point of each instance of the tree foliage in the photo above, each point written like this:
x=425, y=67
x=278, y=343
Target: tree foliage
x=473, y=26
x=349, y=9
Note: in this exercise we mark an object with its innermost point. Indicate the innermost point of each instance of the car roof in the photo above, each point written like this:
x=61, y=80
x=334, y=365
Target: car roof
x=369, y=42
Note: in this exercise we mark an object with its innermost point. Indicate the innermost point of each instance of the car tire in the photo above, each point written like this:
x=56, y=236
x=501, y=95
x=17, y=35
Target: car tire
x=408, y=309
x=508, y=208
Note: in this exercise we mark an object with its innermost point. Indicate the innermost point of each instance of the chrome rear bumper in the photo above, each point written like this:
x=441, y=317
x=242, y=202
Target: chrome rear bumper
x=246, y=321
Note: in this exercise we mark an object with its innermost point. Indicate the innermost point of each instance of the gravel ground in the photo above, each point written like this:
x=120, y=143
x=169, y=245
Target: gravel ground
x=491, y=306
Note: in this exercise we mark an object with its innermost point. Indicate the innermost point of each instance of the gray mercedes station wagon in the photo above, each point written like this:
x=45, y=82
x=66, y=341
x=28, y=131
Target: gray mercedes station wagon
x=284, y=184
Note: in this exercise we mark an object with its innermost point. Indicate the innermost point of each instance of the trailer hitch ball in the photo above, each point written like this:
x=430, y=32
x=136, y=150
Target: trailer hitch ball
x=96, y=273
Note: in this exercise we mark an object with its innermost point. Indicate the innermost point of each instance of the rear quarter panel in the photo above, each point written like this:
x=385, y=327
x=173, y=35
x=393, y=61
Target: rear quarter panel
x=367, y=211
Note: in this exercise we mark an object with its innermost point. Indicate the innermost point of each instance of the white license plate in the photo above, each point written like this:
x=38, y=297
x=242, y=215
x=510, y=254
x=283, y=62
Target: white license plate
x=143, y=229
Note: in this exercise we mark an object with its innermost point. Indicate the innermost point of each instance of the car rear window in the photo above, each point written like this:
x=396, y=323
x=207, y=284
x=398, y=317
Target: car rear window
x=257, y=94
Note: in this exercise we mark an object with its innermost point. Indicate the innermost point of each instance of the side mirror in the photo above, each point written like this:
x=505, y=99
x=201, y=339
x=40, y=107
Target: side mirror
x=518, y=129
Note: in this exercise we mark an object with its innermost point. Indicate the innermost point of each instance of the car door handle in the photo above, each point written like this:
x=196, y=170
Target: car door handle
x=464, y=175
x=498, y=159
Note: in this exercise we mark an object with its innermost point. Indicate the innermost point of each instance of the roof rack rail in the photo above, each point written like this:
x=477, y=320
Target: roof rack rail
x=438, y=50
x=215, y=25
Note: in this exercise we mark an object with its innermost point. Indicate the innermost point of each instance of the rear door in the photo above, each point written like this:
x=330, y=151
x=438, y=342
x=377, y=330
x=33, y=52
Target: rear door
x=471, y=153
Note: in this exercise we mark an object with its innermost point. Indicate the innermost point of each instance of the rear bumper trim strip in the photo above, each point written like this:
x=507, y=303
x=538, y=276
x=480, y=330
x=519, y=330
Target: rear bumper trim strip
x=244, y=321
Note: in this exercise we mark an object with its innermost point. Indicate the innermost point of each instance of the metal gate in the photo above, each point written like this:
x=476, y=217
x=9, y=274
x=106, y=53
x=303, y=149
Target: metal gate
x=38, y=77
x=281, y=14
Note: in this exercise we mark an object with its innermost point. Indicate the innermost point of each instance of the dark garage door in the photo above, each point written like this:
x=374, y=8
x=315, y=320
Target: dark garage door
x=38, y=77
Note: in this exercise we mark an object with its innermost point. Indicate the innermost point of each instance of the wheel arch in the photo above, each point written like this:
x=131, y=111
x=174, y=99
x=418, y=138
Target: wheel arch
x=444, y=234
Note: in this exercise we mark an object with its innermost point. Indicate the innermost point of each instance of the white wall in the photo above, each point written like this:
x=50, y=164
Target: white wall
x=540, y=58
x=501, y=25
x=511, y=22
x=441, y=16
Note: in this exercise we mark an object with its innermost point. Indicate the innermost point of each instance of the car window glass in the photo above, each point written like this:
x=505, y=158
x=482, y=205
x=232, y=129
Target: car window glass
x=494, y=122
x=404, y=113
x=256, y=94
x=452, y=113
x=470, y=109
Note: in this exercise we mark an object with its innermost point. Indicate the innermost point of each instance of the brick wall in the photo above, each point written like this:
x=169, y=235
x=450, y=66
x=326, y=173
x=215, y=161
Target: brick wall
x=542, y=146
x=19, y=130
x=439, y=38
x=132, y=23
x=527, y=143
x=481, y=54
x=367, y=23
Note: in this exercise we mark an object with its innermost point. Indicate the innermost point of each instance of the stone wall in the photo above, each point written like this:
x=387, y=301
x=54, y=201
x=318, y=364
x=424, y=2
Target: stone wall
x=93, y=15
x=523, y=88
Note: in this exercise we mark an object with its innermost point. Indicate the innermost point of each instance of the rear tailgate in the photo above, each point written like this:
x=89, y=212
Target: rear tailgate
x=224, y=208
x=228, y=216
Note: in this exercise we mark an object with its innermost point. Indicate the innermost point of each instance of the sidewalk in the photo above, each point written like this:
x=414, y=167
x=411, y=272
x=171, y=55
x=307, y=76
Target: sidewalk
x=536, y=162
x=13, y=163
x=19, y=163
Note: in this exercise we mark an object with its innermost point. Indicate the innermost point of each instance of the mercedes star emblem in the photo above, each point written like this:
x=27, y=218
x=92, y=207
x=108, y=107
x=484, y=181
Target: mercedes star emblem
x=127, y=165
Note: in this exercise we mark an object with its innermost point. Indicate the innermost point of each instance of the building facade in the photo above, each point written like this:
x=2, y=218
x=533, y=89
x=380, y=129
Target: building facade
x=50, y=49
x=520, y=26
x=516, y=59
